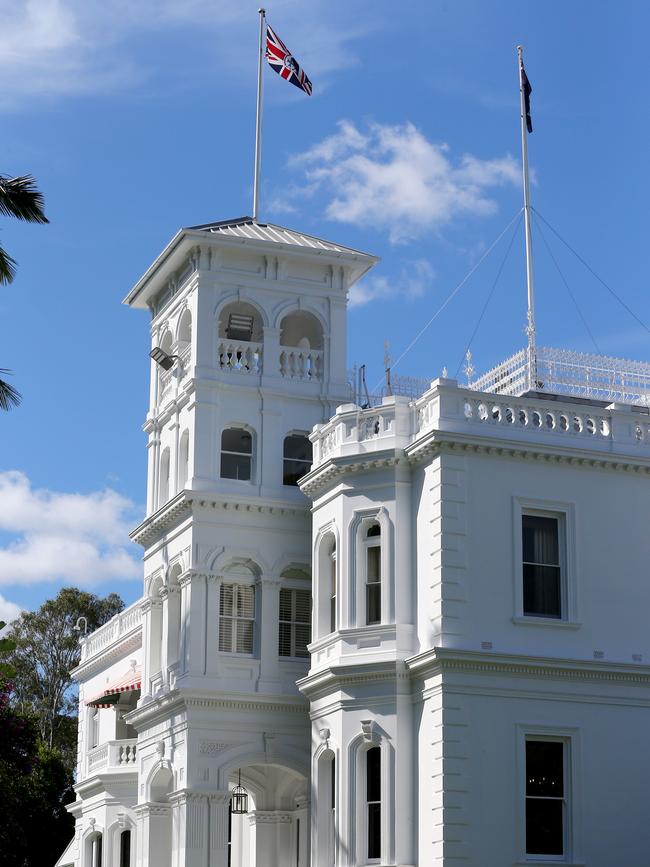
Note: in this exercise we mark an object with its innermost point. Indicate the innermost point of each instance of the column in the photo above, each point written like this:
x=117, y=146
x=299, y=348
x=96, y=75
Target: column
x=154, y=836
x=191, y=826
x=151, y=642
x=194, y=613
x=219, y=803
x=268, y=617
x=273, y=838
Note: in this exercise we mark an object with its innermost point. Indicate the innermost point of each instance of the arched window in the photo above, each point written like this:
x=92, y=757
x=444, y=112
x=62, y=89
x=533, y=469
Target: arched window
x=298, y=458
x=241, y=337
x=163, y=480
x=185, y=329
x=372, y=544
x=326, y=813
x=236, y=454
x=332, y=586
x=125, y=849
x=96, y=847
x=373, y=802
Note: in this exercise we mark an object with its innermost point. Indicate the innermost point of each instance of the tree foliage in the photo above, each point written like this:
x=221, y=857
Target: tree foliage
x=35, y=786
x=46, y=650
x=19, y=198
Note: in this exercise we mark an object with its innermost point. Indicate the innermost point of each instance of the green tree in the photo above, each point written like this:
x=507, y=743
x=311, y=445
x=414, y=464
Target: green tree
x=18, y=198
x=7, y=645
x=35, y=786
x=46, y=650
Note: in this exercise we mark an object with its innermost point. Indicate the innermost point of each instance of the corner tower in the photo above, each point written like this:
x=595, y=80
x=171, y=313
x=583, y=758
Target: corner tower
x=250, y=323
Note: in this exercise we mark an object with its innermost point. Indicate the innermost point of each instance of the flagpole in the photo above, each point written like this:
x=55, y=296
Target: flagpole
x=258, y=123
x=530, y=279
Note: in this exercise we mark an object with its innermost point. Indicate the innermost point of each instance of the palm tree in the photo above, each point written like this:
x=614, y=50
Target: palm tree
x=18, y=198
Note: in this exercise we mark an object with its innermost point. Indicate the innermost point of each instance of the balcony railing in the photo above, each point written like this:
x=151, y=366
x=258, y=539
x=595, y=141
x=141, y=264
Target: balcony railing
x=305, y=364
x=117, y=627
x=239, y=356
x=112, y=756
x=447, y=409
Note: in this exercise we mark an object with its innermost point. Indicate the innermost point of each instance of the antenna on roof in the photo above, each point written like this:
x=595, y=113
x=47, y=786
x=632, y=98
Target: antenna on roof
x=387, y=362
x=526, y=128
x=363, y=386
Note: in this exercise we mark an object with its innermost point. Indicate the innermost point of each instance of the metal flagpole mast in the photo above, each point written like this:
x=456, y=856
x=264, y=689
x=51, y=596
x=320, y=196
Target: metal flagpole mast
x=258, y=124
x=530, y=279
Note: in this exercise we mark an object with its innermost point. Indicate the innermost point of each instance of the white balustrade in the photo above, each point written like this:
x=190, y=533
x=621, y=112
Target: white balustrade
x=538, y=417
x=117, y=627
x=111, y=756
x=239, y=356
x=306, y=364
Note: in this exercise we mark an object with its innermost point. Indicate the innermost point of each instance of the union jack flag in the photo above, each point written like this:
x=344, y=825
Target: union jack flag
x=281, y=60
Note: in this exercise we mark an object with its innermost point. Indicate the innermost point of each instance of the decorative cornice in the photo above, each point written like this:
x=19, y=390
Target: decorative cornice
x=162, y=707
x=441, y=660
x=184, y=503
x=336, y=467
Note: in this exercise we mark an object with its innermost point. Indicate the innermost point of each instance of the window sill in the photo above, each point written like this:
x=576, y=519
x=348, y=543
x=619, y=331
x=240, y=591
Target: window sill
x=548, y=622
x=544, y=862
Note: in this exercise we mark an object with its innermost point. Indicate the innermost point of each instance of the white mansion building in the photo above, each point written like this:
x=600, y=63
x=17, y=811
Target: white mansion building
x=433, y=649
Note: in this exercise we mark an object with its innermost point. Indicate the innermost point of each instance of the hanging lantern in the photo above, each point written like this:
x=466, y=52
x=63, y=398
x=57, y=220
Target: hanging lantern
x=239, y=798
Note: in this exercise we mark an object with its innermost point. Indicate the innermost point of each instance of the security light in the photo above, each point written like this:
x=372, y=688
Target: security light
x=163, y=358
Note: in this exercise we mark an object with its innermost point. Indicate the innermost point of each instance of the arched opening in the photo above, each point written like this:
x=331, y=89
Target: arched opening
x=275, y=830
x=125, y=848
x=297, y=458
x=158, y=826
x=172, y=614
x=236, y=454
x=326, y=620
x=301, y=346
x=163, y=478
x=165, y=376
x=183, y=460
x=153, y=651
x=94, y=850
x=325, y=808
x=241, y=338
x=184, y=330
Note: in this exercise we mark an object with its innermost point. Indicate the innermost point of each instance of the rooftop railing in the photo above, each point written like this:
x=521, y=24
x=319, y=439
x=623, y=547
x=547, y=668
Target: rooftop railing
x=564, y=372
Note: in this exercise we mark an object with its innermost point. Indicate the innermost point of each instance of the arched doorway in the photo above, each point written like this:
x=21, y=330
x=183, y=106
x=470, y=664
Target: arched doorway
x=275, y=830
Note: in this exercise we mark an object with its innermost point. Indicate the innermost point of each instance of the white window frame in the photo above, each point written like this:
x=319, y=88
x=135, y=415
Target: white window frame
x=358, y=565
x=358, y=804
x=565, y=514
x=293, y=623
x=234, y=619
x=372, y=542
x=569, y=737
x=333, y=581
x=222, y=451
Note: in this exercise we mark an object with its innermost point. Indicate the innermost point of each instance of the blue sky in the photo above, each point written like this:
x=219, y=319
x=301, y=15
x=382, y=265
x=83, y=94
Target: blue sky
x=138, y=118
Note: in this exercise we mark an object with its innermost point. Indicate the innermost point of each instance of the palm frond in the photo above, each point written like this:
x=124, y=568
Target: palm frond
x=20, y=198
x=7, y=267
x=9, y=396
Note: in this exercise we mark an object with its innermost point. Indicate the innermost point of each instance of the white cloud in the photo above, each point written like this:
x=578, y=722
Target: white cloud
x=8, y=611
x=394, y=178
x=90, y=46
x=412, y=282
x=78, y=538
